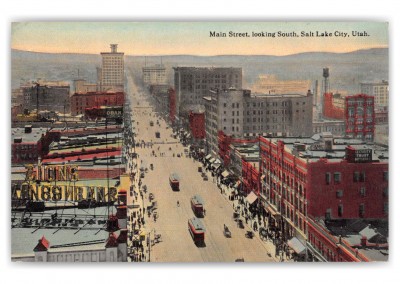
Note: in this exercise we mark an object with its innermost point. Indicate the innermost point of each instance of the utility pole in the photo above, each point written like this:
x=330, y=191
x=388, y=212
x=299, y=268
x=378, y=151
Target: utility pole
x=37, y=85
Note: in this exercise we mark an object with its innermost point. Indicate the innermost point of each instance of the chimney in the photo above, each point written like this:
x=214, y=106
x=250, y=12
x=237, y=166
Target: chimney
x=363, y=241
x=28, y=128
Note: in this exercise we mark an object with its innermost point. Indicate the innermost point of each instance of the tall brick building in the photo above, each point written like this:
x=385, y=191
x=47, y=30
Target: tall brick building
x=321, y=178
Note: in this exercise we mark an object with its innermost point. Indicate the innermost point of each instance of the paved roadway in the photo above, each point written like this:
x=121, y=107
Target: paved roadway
x=177, y=244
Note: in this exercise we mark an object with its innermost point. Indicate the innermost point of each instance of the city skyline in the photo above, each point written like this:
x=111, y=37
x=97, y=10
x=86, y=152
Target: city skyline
x=195, y=38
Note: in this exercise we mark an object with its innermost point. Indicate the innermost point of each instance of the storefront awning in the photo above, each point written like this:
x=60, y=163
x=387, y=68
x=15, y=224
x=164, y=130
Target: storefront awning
x=296, y=245
x=208, y=157
x=225, y=174
x=237, y=184
x=251, y=198
x=215, y=166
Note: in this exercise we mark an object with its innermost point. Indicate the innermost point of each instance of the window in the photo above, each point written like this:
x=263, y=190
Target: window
x=340, y=210
x=385, y=192
x=361, y=210
x=336, y=177
x=386, y=176
x=328, y=178
x=362, y=191
x=328, y=214
x=356, y=176
x=362, y=176
x=224, y=104
x=339, y=193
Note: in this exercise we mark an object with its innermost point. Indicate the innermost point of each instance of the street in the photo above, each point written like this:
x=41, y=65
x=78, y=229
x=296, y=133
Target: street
x=176, y=244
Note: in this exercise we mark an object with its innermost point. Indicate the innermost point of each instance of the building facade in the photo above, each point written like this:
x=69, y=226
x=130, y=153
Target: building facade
x=270, y=84
x=81, y=101
x=197, y=125
x=334, y=106
x=154, y=74
x=360, y=117
x=112, y=70
x=321, y=178
x=47, y=95
x=238, y=113
x=336, y=127
x=193, y=83
x=379, y=90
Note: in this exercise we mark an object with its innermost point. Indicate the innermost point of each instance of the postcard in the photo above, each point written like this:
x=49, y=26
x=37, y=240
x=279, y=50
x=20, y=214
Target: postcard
x=199, y=142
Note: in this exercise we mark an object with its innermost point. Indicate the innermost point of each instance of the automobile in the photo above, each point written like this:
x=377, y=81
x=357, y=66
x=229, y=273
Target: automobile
x=205, y=177
x=142, y=175
x=178, y=155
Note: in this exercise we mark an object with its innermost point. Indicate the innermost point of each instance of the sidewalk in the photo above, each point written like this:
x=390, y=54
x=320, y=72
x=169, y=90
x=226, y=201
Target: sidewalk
x=268, y=245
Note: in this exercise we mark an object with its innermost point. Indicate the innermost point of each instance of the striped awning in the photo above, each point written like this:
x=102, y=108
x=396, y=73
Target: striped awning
x=296, y=245
x=225, y=174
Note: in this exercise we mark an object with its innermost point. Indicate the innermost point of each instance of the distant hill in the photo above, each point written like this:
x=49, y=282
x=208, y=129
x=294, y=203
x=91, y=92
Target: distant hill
x=347, y=70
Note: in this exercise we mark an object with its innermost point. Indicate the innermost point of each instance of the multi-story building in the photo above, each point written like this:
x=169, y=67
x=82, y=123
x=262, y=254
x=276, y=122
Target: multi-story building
x=193, y=83
x=270, y=84
x=47, y=95
x=336, y=127
x=28, y=143
x=197, y=125
x=360, y=117
x=112, y=71
x=379, y=90
x=238, y=113
x=81, y=86
x=334, y=106
x=154, y=74
x=321, y=178
x=79, y=102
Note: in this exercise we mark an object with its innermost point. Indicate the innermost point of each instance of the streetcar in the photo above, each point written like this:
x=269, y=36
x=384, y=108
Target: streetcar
x=174, y=181
x=196, y=230
x=197, y=205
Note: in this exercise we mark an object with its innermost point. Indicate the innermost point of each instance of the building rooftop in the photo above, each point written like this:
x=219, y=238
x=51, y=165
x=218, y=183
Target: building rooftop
x=77, y=234
x=313, y=148
x=23, y=137
x=183, y=68
x=352, y=231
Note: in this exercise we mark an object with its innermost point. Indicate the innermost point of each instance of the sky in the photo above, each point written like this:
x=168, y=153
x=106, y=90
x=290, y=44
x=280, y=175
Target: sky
x=172, y=38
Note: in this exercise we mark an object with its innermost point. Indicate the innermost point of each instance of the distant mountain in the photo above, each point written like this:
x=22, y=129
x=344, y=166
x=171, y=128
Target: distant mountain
x=347, y=70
